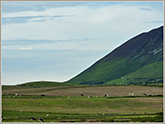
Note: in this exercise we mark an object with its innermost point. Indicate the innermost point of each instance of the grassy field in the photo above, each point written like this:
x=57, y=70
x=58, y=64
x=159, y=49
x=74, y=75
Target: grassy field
x=65, y=104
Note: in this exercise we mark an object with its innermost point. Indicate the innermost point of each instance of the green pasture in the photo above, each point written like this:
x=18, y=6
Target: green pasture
x=15, y=116
x=72, y=107
x=78, y=109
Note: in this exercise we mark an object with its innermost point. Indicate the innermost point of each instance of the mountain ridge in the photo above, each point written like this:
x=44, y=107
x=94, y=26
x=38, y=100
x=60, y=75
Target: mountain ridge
x=136, y=53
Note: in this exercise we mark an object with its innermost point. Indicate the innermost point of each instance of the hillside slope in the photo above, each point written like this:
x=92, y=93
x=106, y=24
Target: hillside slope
x=135, y=54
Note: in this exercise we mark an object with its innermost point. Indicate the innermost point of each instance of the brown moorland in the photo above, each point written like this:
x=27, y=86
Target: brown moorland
x=86, y=91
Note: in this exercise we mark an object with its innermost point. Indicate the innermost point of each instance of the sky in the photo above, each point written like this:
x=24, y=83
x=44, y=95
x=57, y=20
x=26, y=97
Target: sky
x=55, y=41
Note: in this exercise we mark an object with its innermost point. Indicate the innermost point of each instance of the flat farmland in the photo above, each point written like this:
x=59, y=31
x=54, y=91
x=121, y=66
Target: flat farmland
x=80, y=109
x=83, y=105
x=65, y=104
x=86, y=91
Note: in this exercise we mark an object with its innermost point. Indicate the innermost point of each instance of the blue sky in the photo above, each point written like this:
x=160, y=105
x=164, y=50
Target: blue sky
x=57, y=40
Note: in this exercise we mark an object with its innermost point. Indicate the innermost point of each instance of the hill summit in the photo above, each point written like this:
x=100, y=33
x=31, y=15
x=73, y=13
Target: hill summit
x=139, y=60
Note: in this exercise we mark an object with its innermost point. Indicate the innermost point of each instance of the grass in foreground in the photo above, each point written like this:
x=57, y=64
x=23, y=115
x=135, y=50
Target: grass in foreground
x=80, y=109
x=65, y=104
x=9, y=116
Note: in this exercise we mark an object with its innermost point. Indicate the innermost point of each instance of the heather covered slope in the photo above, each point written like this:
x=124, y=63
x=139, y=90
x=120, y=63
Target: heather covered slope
x=138, y=55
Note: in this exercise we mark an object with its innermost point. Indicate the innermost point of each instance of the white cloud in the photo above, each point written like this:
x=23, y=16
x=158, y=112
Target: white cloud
x=93, y=28
x=16, y=47
x=87, y=22
x=25, y=48
x=110, y=25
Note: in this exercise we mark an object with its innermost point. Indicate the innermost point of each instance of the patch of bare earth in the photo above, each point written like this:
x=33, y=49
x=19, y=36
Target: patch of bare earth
x=86, y=91
x=110, y=90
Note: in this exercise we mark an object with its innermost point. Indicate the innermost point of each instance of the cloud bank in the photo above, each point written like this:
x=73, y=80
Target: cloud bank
x=57, y=40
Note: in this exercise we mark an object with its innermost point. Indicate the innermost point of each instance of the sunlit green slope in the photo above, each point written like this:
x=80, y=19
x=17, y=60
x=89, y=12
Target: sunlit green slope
x=139, y=57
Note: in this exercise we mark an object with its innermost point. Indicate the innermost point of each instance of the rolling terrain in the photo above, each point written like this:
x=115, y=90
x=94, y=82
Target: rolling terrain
x=139, y=60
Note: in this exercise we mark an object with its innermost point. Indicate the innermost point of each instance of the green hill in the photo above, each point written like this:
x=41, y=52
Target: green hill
x=152, y=73
x=39, y=84
x=140, y=59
